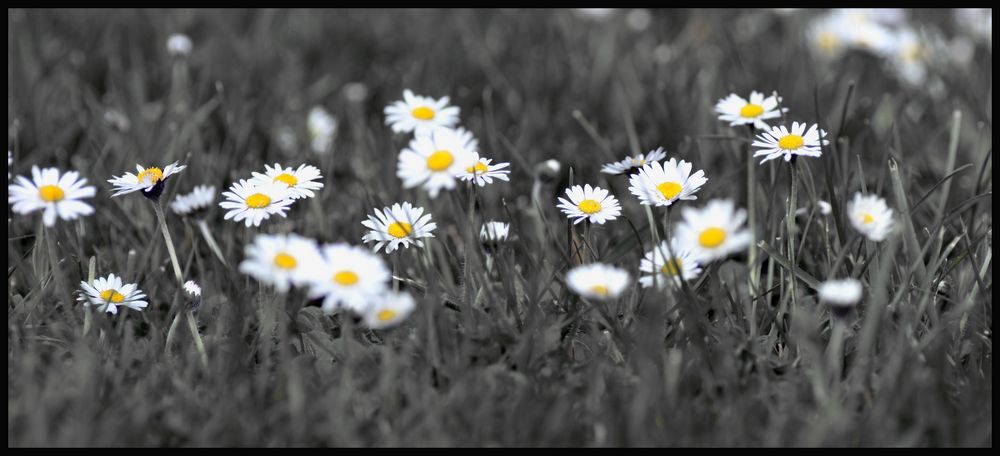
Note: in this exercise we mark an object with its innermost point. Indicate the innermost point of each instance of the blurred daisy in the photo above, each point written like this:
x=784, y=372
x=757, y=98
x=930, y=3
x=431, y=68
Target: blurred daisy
x=388, y=309
x=634, y=163
x=494, y=232
x=59, y=196
x=712, y=232
x=433, y=161
x=738, y=111
x=149, y=180
x=823, y=206
x=200, y=198
x=421, y=115
x=909, y=56
x=482, y=172
x=192, y=289
x=597, y=281
x=10, y=161
x=178, y=45
x=280, y=260
x=255, y=202
x=840, y=295
x=593, y=204
x=870, y=216
x=662, y=185
x=788, y=142
x=322, y=129
x=348, y=277
x=826, y=37
x=402, y=224
x=681, y=267
x=107, y=294
x=301, y=181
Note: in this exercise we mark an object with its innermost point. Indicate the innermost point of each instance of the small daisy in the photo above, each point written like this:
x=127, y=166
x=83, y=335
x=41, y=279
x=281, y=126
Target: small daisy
x=840, y=295
x=714, y=231
x=434, y=161
x=421, y=115
x=200, y=198
x=301, y=181
x=193, y=291
x=654, y=264
x=348, y=277
x=870, y=216
x=594, y=204
x=10, y=161
x=149, y=180
x=494, y=232
x=179, y=45
x=738, y=111
x=255, y=202
x=662, y=185
x=402, y=224
x=110, y=293
x=634, y=163
x=823, y=206
x=482, y=172
x=280, y=260
x=322, y=129
x=59, y=196
x=389, y=309
x=796, y=141
x=597, y=281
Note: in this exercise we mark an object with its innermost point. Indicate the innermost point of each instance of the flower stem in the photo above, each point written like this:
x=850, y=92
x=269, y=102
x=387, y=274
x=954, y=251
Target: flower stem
x=158, y=207
x=203, y=227
x=193, y=325
x=790, y=219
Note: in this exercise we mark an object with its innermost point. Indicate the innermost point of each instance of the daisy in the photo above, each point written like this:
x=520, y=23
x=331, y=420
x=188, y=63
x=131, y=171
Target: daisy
x=280, y=260
x=714, y=231
x=482, y=172
x=10, y=161
x=322, y=128
x=301, y=181
x=193, y=291
x=255, y=202
x=870, y=216
x=823, y=206
x=388, y=309
x=149, y=180
x=597, y=281
x=200, y=198
x=738, y=111
x=421, y=115
x=110, y=293
x=402, y=224
x=682, y=265
x=590, y=203
x=178, y=45
x=348, y=277
x=840, y=295
x=662, y=185
x=494, y=232
x=57, y=195
x=434, y=160
x=634, y=163
x=788, y=142
x=910, y=55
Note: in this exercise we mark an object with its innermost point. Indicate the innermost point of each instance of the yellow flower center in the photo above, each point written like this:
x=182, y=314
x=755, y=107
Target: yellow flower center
x=154, y=174
x=790, y=142
x=400, y=230
x=51, y=193
x=440, y=160
x=828, y=42
x=346, y=278
x=751, y=110
x=669, y=189
x=258, y=200
x=478, y=168
x=423, y=113
x=600, y=290
x=286, y=178
x=112, y=296
x=284, y=261
x=386, y=315
x=867, y=218
x=913, y=53
x=712, y=237
x=589, y=206
x=672, y=268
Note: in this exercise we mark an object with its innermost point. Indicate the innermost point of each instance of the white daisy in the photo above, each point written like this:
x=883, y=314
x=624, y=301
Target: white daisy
x=59, y=196
x=482, y=172
x=826, y=37
x=149, y=180
x=789, y=142
x=681, y=267
x=280, y=260
x=870, y=216
x=634, y=163
x=714, y=231
x=421, y=115
x=594, y=204
x=597, y=281
x=402, y=224
x=179, y=44
x=738, y=111
x=823, y=206
x=434, y=160
x=388, y=309
x=192, y=289
x=10, y=161
x=841, y=293
x=322, y=129
x=349, y=277
x=662, y=185
x=909, y=55
x=301, y=181
x=110, y=293
x=255, y=202
x=200, y=198
x=494, y=232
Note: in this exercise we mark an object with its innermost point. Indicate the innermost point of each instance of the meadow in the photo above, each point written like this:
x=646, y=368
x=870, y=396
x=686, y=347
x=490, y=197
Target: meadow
x=501, y=349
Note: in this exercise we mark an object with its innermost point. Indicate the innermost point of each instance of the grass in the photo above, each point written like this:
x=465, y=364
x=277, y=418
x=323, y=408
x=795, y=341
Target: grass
x=508, y=357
